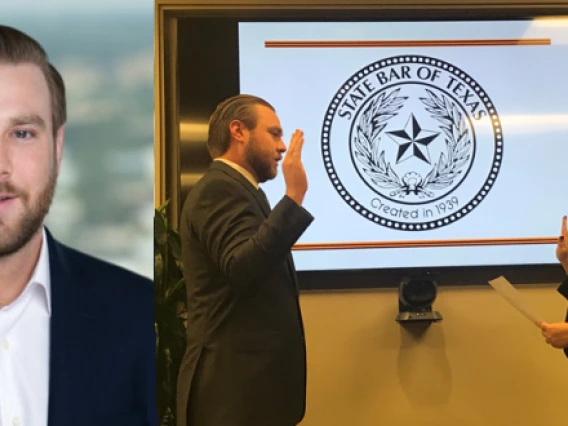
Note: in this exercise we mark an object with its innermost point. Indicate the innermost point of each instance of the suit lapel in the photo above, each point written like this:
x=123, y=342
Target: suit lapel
x=258, y=194
x=260, y=197
x=70, y=343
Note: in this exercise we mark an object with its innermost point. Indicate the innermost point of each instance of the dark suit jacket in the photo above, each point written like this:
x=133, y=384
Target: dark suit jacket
x=102, y=349
x=245, y=363
x=563, y=290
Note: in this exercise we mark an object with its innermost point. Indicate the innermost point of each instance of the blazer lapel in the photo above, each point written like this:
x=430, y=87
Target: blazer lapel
x=258, y=194
x=262, y=200
x=70, y=348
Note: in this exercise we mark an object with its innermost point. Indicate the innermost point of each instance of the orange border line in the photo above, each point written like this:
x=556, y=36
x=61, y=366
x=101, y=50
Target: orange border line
x=406, y=43
x=426, y=243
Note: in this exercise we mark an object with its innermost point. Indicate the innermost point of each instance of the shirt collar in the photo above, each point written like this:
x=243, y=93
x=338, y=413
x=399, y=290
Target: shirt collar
x=241, y=170
x=39, y=284
x=41, y=275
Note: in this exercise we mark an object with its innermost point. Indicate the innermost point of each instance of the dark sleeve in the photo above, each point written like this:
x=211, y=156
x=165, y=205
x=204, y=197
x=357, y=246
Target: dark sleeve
x=563, y=289
x=228, y=227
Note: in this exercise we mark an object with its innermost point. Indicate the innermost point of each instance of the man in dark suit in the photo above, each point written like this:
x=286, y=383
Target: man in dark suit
x=77, y=339
x=245, y=362
x=556, y=334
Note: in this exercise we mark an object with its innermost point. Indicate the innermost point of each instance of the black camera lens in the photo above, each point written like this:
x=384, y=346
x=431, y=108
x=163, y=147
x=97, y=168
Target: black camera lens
x=418, y=293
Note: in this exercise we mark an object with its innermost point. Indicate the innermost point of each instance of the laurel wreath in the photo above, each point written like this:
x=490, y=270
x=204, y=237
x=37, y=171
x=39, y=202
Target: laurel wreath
x=458, y=142
x=450, y=164
x=371, y=123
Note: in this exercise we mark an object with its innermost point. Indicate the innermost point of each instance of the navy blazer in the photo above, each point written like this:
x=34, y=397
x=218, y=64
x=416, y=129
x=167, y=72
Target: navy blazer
x=563, y=290
x=102, y=348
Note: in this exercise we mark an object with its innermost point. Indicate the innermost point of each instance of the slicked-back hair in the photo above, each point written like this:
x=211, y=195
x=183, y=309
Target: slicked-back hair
x=18, y=48
x=239, y=107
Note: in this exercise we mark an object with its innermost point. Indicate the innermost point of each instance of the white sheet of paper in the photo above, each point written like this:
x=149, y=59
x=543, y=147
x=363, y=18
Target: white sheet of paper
x=512, y=295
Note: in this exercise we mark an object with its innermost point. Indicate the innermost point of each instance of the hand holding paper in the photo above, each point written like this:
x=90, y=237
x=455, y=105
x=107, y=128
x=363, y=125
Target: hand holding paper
x=512, y=295
x=556, y=334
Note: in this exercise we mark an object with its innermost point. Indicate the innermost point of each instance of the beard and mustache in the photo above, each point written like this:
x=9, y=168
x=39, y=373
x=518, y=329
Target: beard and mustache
x=262, y=165
x=14, y=238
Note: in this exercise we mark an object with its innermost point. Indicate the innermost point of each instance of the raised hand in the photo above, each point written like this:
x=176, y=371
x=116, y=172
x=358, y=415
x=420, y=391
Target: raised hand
x=293, y=169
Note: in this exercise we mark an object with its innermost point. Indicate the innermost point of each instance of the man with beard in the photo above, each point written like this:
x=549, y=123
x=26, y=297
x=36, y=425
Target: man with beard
x=245, y=361
x=77, y=337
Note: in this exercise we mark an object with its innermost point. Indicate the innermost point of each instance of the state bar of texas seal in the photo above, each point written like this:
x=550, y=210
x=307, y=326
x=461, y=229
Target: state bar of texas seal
x=412, y=143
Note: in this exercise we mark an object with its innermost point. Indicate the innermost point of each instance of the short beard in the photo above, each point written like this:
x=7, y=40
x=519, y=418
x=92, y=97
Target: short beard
x=32, y=218
x=261, y=167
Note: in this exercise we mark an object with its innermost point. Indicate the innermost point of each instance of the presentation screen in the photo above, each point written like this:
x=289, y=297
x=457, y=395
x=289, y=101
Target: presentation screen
x=427, y=144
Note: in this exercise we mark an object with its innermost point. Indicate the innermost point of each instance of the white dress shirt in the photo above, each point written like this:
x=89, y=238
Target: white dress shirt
x=24, y=350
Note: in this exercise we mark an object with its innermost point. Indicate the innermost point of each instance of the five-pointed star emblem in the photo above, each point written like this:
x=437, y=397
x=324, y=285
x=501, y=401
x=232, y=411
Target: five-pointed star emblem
x=413, y=141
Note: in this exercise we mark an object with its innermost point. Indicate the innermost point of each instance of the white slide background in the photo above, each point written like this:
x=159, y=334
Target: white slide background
x=526, y=84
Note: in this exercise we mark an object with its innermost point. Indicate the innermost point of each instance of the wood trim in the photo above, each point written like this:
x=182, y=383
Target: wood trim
x=298, y=44
x=425, y=243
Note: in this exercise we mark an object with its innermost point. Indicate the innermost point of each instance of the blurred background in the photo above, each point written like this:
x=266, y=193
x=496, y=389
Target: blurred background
x=104, y=201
